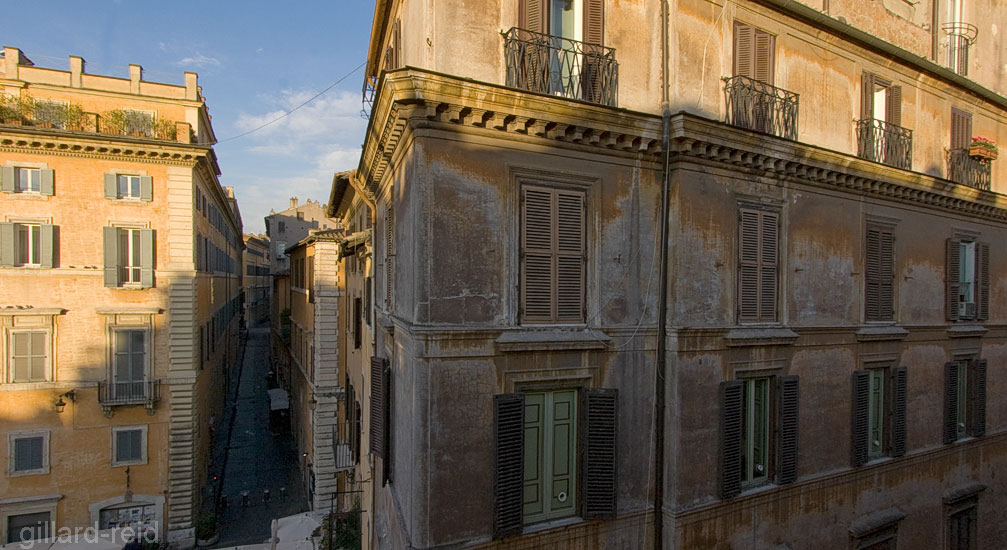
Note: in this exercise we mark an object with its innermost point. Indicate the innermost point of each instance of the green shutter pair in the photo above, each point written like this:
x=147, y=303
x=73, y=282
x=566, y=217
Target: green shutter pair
x=7, y=181
x=8, y=244
x=112, y=189
x=113, y=263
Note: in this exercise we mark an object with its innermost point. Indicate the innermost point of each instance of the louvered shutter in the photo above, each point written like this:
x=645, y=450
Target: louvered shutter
x=866, y=96
x=7, y=244
x=731, y=418
x=769, y=253
x=48, y=183
x=532, y=15
x=748, y=265
x=389, y=255
x=894, y=105
x=859, y=417
x=764, y=56
x=569, y=256
x=879, y=275
x=147, y=255
x=983, y=276
x=111, y=191
x=377, y=428
x=953, y=284
x=47, y=236
x=146, y=188
x=961, y=129
x=744, y=38
x=599, y=453
x=900, y=377
x=537, y=279
x=7, y=179
x=950, y=402
x=508, y=464
x=110, y=240
x=789, y=407
x=979, y=398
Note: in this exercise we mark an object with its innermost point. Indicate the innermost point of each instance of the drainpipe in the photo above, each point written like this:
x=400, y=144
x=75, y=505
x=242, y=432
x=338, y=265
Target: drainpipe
x=662, y=316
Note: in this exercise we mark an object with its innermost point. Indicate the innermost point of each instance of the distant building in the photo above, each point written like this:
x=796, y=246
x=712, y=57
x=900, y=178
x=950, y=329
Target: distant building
x=256, y=281
x=120, y=294
x=289, y=226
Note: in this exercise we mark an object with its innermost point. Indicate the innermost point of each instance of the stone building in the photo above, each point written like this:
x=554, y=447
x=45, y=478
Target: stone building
x=120, y=293
x=256, y=282
x=686, y=274
x=289, y=226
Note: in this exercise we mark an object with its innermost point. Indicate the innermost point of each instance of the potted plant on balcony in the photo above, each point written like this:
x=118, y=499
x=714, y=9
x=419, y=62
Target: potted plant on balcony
x=983, y=148
x=13, y=109
x=206, y=530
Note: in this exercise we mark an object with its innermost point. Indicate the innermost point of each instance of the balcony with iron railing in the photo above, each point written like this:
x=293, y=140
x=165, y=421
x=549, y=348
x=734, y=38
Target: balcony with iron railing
x=114, y=394
x=563, y=67
x=968, y=170
x=884, y=142
x=346, y=444
x=755, y=105
x=960, y=36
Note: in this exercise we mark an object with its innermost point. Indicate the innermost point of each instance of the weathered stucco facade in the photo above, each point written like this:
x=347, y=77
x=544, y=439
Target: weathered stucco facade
x=124, y=268
x=256, y=282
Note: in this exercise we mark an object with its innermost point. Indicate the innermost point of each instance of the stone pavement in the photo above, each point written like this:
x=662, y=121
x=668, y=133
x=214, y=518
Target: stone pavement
x=252, y=458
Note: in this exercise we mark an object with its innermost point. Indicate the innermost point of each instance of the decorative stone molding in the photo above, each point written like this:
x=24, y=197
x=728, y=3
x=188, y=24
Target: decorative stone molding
x=760, y=336
x=552, y=340
x=966, y=331
x=99, y=147
x=881, y=333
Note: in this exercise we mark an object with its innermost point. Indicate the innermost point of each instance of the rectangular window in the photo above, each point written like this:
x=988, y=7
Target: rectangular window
x=879, y=413
x=755, y=431
x=29, y=354
x=29, y=244
x=964, y=399
x=29, y=453
x=879, y=278
x=754, y=53
x=962, y=522
x=129, y=254
x=129, y=257
x=129, y=365
x=876, y=407
x=550, y=437
x=968, y=280
x=553, y=234
x=28, y=180
x=758, y=259
x=128, y=187
x=28, y=527
x=357, y=319
x=129, y=446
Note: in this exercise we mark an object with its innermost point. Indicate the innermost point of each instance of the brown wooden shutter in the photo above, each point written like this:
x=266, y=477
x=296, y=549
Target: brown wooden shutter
x=532, y=15
x=764, y=56
x=866, y=96
x=378, y=394
x=508, y=464
x=859, y=417
x=899, y=392
x=732, y=394
x=950, y=402
x=748, y=265
x=768, y=259
x=789, y=401
x=594, y=21
x=569, y=256
x=879, y=275
x=978, y=394
x=953, y=260
x=537, y=243
x=744, y=44
x=961, y=129
x=894, y=105
x=983, y=276
x=598, y=474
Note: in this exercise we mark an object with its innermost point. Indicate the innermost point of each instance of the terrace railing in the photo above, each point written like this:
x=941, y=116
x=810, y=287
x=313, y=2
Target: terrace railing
x=884, y=142
x=969, y=170
x=559, y=66
x=755, y=105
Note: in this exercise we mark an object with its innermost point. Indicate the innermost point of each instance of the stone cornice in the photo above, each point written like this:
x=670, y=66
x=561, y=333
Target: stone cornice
x=422, y=99
x=83, y=145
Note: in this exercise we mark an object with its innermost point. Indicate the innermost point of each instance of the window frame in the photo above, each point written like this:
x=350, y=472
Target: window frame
x=11, y=466
x=114, y=445
x=880, y=286
x=965, y=502
x=129, y=272
x=128, y=195
x=749, y=431
x=760, y=264
x=114, y=331
x=879, y=413
x=19, y=172
x=9, y=336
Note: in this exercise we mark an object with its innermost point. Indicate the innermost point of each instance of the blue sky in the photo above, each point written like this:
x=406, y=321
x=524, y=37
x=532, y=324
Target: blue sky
x=255, y=60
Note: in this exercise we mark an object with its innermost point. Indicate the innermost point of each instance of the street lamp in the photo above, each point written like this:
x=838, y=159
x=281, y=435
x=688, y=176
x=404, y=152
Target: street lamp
x=60, y=405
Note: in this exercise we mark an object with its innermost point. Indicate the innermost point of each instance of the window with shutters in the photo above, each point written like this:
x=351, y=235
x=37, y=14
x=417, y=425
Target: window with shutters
x=538, y=473
x=27, y=243
x=129, y=363
x=964, y=399
x=962, y=529
x=879, y=413
x=879, y=274
x=754, y=53
x=28, y=356
x=27, y=180
x=129, y=446
x=881, y=137
x=758, y=259
x=129, y=256
x=29, y=453
x=968, y=279
x=755, y=465
x=136, y=187
x=552, y=254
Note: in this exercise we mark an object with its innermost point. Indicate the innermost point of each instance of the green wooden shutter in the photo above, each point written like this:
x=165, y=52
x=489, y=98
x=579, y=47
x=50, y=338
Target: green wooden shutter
x=146, y=188
x=789, y=407
x=147, y=256
x=7, y=244
x=532, y=15
x=537, y=453
x=47, y=235
x=983, y=280
x=859, y=417
x=732, y=394
x=900, y=377
x=48, y=182
x=950, y=402
x=110, y=239
x=508, y=464
x=7, y=179
x=562, y=453
x=111, y=191
x=538, y=255
x=953, y=260
x=599, y=478
x=978, y=395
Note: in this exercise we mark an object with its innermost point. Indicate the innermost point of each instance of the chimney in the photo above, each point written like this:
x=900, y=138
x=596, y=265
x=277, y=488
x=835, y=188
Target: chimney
x=135, y=76
x=293, y=202
x=230, y=191
x=76, y=69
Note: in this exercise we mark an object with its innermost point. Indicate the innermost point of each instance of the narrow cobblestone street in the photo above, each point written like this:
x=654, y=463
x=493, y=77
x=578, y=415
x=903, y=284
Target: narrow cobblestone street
x=253, y=458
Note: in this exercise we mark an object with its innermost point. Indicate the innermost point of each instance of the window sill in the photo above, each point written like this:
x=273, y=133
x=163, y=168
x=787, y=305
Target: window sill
x=549, y=524
x=760, y=336
x=970, y=330
x=552, y=340
x=127, y=463
x=28, y=196
x=129, y=200
x=876, y=333
x=43, y=471
x=757, y=488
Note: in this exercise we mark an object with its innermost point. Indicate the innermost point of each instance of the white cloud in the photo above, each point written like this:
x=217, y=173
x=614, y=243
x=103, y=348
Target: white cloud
x=198, y=61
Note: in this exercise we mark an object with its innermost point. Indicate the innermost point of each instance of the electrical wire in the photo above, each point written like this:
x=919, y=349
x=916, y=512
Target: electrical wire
x=288, y=113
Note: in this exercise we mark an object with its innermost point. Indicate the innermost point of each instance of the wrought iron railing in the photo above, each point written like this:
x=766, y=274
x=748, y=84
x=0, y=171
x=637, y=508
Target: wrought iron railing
x=145, y=392
x=755, y=105
x=968, y=170
x=885, y=142
x=959, y=37
x=559, y=66
x=346, y=444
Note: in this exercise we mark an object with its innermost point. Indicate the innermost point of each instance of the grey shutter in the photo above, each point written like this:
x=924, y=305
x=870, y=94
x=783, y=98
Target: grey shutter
x=147, y=256
x=122, y=446
x=600, y=414
x=744, y=64
x=7, y=244
x=983, y=276
x=532, y=15
x=731, y=418
x=768, y=260
x=28, y=453
x=859, y=417
x=48, y=182
x=47, y=234
x=953, y=260
x=900, y=378
x=894, y=105
x=979, y=398
x=872, y=276
x=146, y=188
x=570, y=256
x=508, y=464
x=377, y=430
x=866, y=96
x=789, y=406
x=389, y=254
x=7, y=179
x=111, y=191
x=110, y=238
x=950, y=402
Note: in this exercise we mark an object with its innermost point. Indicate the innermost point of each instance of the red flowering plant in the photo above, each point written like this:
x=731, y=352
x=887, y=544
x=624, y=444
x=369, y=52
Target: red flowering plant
x=985, y=143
